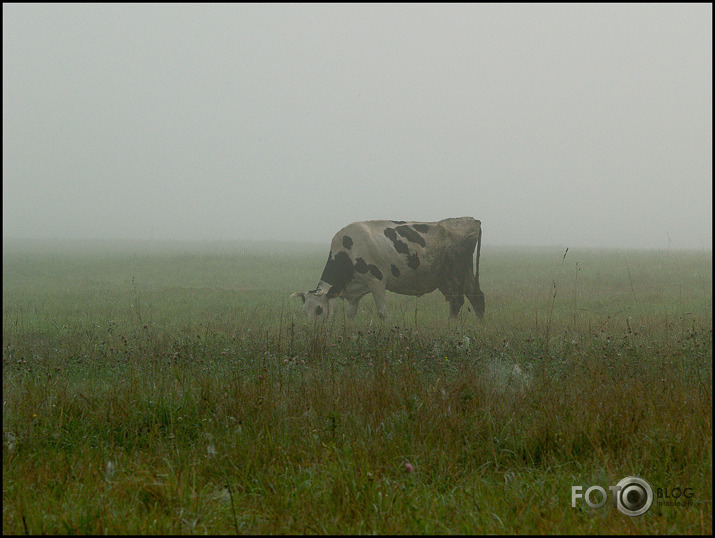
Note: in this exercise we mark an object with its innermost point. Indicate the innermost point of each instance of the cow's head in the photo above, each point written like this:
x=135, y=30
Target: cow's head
x=316, y=303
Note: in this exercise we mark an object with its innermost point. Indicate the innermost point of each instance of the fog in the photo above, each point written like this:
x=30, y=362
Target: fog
x=559, y=125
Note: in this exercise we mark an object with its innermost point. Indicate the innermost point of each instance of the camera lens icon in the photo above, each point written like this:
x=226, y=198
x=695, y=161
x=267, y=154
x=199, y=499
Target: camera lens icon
x=634, y=496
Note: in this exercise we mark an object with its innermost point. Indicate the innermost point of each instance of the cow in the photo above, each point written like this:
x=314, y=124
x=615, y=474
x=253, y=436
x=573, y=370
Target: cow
x=408, y=258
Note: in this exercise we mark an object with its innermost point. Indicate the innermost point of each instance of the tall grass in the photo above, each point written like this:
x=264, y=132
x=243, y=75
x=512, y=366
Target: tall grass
x=180, y=390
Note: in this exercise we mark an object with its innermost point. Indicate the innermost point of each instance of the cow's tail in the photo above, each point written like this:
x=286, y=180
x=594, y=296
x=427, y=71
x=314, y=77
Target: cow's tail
x=479, y=248
x=478, y=295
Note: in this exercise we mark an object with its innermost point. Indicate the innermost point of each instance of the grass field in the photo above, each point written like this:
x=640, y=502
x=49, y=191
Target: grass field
x=175, y=388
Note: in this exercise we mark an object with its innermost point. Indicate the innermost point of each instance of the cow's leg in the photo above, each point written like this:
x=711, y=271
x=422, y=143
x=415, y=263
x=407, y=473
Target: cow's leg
x=331, y=308
x=455, y=304
x=455, y=301
x=476, y=297
x=379, y=294
x=353, y=293
x=477, y=300
x=352, y=307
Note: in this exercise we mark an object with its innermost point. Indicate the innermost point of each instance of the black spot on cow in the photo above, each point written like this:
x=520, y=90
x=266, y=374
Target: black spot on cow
x=347, y=242
x=338, y=272
x=413, y=261
x=421, y=227
x=411, y=235
x=318, y=310
x=400, y=246
x=395, y=270
x=361, y=266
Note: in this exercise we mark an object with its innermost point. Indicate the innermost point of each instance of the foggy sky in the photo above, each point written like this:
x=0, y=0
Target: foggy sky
x=571, y=125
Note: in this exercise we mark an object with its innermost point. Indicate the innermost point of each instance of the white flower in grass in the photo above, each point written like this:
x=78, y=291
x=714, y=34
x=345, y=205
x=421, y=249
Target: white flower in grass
x=109, y=470
x=10, y=441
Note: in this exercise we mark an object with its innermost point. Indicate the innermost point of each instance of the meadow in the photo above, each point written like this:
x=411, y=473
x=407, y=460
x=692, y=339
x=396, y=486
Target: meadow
x=176, y=388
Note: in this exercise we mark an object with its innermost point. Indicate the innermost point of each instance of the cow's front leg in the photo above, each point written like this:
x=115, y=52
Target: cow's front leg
x=352, y=308
x=379, y=294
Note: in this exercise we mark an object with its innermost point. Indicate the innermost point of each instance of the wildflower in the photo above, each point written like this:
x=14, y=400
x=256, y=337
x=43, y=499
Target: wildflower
x=408, y=467
x=11, y=438
x=109, y=470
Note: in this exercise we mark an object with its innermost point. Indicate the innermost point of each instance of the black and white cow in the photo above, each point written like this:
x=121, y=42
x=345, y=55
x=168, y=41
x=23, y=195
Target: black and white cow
x=409, y=258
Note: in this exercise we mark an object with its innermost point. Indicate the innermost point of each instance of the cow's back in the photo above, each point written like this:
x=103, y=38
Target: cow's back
x=409, y=256
x=461, y=230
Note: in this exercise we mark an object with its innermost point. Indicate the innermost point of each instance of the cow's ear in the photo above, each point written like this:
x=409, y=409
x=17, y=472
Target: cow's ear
x=300, y=294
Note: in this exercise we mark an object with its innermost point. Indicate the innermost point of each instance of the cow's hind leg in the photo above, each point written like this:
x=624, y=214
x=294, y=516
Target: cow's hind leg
x=455, y=304
x=476, y=297
x=477, y=300
x=454, y=298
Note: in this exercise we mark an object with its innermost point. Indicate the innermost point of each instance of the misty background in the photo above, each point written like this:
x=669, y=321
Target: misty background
x=570, y=125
